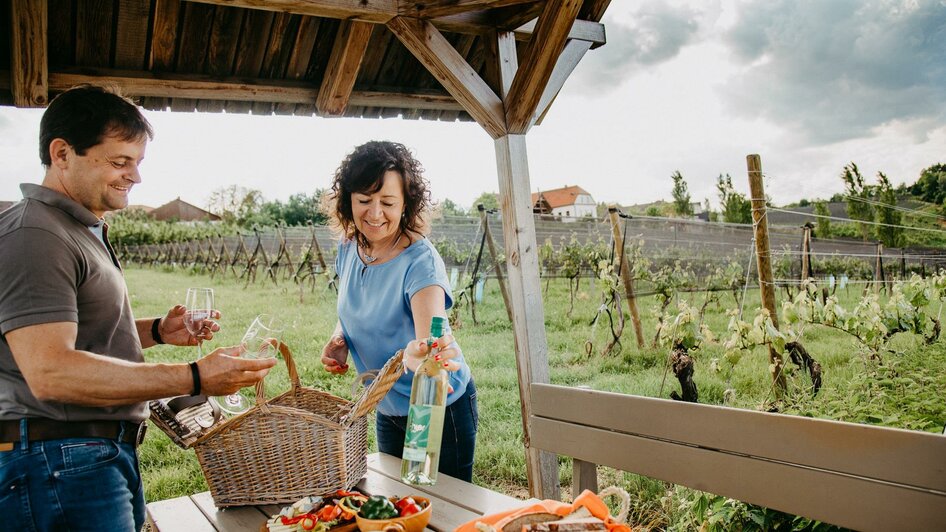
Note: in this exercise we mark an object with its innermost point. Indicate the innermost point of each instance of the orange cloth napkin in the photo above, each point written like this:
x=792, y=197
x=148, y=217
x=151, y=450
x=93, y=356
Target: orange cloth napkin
x=595, y=505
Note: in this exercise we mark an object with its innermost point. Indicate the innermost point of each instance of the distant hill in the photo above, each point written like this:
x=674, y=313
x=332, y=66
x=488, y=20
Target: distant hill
x=838, y=210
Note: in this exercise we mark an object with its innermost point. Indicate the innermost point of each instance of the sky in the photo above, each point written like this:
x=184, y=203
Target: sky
x=689, y=86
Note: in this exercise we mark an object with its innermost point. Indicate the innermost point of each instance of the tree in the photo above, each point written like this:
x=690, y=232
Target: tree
x=490, y=200
x=300, y=209
x=681, y=196
x=823, y=227
x=236, y=204
x=931, y=186
x=449, y=208
x=858, y=197
x=654, y=211
x=886, y=214
x=735, y=207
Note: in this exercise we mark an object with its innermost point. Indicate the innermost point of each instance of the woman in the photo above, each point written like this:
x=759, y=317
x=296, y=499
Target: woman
x=392, y=282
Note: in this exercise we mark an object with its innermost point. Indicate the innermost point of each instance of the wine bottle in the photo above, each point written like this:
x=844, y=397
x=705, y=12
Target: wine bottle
x=424, y=430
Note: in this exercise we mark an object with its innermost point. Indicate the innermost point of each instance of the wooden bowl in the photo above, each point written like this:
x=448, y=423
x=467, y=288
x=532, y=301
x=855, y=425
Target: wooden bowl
x=410, y=523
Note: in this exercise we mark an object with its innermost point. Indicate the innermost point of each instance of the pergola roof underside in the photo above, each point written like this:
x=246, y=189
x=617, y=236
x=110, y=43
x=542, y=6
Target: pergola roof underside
x=268, y=62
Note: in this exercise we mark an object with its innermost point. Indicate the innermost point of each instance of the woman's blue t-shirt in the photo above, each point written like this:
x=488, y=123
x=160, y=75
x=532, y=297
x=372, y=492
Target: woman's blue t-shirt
x=374, y=308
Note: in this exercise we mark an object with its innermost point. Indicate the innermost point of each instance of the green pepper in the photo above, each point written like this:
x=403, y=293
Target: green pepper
x=378, y=507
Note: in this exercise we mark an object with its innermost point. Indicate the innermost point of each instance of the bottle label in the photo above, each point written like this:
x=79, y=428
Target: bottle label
x=424, y=431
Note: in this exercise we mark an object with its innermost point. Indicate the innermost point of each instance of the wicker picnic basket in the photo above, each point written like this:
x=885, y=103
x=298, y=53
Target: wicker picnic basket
x=303, y=442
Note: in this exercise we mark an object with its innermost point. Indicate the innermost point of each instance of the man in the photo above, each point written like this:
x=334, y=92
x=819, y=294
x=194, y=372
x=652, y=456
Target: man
x=73, y=381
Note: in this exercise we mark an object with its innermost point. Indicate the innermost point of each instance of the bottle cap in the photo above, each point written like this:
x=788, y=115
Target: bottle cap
x=437, y=326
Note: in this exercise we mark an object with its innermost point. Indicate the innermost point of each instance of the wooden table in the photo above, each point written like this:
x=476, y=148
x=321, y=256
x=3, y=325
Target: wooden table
x=455, y=502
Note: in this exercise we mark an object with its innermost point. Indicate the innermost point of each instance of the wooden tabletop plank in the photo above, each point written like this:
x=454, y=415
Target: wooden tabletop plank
x=178, y=514
x=235, y=519
x=476, y=499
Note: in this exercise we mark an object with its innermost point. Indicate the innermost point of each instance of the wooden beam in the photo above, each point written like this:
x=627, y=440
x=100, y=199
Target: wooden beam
x=438, y=8
x=525, y=294
x=567, y=61
x=28, y=53
x=452, y=71
x=478, y=23
x=533, y=75
x=164, y=34
x=593, y=9
x=377, y=11
x=131, y=35
x=201, y=87
x=351, y=41
x=419, y=100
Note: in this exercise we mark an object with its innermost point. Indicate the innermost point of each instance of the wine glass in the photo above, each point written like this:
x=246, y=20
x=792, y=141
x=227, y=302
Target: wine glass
x=261, y=340
x=200, y=304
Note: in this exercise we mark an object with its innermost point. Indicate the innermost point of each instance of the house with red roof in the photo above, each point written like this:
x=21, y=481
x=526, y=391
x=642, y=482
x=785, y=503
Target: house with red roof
x=567, y=202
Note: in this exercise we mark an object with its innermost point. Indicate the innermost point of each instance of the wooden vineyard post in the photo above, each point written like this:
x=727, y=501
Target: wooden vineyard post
x=764, y=260
x=484, y=219
x=879, y=268
x=806, y=254
x=626, y=276
x=903, y=265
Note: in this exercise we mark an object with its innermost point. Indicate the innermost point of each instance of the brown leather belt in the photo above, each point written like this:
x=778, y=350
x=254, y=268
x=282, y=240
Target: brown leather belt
x=39, y=429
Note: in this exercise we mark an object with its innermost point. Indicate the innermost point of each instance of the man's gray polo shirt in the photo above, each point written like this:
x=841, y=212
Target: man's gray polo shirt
x=54, y=269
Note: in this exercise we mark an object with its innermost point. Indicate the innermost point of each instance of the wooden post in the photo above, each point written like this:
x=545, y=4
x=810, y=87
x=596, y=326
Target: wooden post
x=806, y=253
x=525, y=290
x=879, y=268
x=484, y=219
x=621, y=257
x=584, y=477
x=764, y=260
x=903, y=265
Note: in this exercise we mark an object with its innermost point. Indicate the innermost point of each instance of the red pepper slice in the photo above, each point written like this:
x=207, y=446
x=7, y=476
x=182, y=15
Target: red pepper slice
x=329, y=512
x=409, y=509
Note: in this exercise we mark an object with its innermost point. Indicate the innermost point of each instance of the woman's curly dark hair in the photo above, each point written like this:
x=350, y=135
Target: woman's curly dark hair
x=362, y=171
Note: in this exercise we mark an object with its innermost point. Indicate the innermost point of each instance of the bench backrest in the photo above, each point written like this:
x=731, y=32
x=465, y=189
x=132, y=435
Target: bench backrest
x=856, y=476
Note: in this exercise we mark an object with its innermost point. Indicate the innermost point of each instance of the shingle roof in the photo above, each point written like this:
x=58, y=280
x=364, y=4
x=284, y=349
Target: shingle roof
x=559, y=197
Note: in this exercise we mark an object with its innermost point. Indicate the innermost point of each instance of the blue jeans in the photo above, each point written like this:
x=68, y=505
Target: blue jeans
x=71, y=484
x=460, y=423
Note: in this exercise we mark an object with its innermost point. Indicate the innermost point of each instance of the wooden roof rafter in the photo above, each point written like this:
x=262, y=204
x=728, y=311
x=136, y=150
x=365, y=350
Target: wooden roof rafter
x=29, y=75
x=351, y=42
x=452, y=70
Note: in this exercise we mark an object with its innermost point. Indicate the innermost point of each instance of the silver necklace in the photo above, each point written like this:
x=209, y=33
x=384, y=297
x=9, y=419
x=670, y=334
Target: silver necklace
x=369, y=259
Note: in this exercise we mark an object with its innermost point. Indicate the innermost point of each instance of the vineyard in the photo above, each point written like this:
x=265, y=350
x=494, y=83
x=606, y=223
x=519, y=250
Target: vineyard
x=685, y=266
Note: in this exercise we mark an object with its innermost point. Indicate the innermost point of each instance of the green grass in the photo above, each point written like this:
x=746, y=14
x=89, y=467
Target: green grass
x=903, y=390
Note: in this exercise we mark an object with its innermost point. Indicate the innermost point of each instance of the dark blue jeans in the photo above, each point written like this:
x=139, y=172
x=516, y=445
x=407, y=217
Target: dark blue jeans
x=460, y=423
x=71, y=484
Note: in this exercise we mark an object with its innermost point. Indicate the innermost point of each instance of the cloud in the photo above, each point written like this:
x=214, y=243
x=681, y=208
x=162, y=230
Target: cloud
x=653, y=33
x=838, y=70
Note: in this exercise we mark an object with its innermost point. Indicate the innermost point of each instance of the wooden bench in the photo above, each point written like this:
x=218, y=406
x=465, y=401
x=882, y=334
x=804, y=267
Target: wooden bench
x=856, y=476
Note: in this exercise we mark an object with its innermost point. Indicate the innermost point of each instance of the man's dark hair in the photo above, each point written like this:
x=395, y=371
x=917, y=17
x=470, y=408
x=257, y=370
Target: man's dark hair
x=84, y=115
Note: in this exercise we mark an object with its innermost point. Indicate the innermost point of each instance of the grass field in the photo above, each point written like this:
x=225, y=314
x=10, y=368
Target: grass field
x=906, y=389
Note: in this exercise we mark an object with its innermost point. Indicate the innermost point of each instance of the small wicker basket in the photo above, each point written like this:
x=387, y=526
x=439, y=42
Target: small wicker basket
x=303, y=442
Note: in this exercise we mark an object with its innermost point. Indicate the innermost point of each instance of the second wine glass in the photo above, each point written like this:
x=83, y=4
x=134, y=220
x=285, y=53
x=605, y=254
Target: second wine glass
x=200, y=305
x=261, y=340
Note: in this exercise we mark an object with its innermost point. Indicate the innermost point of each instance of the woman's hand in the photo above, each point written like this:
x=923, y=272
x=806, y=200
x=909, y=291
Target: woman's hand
x=174, y=332
x=335, y=355
x=416, y=351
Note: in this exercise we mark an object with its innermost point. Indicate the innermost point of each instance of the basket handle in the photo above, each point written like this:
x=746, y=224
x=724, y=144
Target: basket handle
x=373, y=393
x=295, y=384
